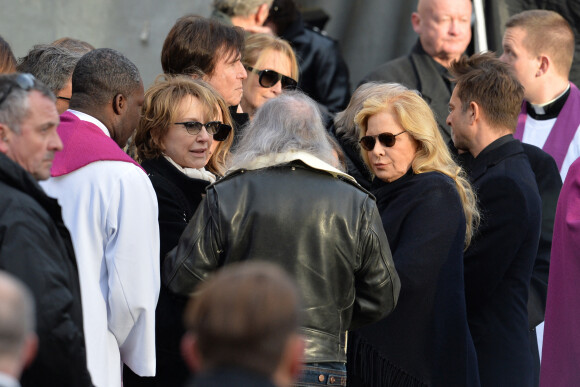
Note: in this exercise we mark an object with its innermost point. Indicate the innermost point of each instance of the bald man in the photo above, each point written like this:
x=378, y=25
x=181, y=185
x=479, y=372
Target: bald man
x=444, y=29
x=18, y=342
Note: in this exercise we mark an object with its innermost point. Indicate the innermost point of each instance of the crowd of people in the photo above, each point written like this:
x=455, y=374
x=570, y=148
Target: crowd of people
x=244, y=221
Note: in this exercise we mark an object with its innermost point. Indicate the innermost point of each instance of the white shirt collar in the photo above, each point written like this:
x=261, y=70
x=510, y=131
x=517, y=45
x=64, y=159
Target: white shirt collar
x=85, y=117
x=8, y=380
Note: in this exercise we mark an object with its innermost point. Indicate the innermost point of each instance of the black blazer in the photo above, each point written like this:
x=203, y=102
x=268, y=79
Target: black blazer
x=498, y=264
x=178, y=197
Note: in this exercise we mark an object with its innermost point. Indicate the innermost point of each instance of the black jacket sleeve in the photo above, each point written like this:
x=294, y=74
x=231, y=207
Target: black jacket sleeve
x=32, y=253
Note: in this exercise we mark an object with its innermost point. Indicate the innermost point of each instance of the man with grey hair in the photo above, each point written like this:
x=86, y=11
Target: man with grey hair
x=284, y=200
x=35, y=246
x=248, y=14
x=110, y=207
x=18, y=342
x=53, y=66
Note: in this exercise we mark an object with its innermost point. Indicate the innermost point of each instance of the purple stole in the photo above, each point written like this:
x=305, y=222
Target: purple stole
x=562, y=132
x=83, y=143
x=560, y=352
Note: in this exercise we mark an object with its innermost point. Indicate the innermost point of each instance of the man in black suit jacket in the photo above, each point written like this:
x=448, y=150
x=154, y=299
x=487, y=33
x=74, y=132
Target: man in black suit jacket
x=483, y=109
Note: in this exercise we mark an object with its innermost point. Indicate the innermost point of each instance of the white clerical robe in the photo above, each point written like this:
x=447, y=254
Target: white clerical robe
x=110, y=208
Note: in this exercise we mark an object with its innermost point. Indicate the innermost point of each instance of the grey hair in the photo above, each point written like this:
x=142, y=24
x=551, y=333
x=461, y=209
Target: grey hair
x=344, y=121
x=14, y=109
x=239, y=7
x=17, y=314
x=50, y=64
x=290, y=122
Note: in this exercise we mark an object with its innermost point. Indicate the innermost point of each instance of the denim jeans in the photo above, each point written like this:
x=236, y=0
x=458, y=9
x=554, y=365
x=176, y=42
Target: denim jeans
x=322, y=374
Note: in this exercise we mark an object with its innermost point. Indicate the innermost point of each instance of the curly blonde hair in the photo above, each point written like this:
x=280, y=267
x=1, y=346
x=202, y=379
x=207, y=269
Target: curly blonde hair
x=160, y=110
x=415, y=116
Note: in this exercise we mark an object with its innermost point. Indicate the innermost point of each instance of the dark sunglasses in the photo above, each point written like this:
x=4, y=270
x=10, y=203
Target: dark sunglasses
x=387, y=139
x=218, y=130
x=23, y=81
x=268, y=78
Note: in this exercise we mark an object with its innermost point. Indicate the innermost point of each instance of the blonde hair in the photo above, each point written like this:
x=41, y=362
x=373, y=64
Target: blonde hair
x=257, y=45
x=160, y=110
x=415, y=116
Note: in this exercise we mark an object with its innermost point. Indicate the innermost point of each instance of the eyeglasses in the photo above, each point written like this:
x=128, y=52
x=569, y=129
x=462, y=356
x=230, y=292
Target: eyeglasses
x=63, y=98
x=268, y=78
x=387, y=139
x=218, y=130
x=24, y=81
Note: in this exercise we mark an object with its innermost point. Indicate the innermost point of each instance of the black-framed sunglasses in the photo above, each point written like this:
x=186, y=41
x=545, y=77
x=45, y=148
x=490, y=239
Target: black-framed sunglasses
x=218, y=130
x=387, y=139
x=24, y=81
x=268, y=78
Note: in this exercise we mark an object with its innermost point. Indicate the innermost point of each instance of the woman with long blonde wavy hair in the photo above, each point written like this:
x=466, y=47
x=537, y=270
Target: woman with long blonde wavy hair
x=429, y=213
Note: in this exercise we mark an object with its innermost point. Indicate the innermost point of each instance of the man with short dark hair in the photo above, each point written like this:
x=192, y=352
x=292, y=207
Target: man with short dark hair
x=35, y=245
x=242, y=328
x=110, y=208
x=18, y=341
x=498, y=263
x=53, y=66
x=444, y=29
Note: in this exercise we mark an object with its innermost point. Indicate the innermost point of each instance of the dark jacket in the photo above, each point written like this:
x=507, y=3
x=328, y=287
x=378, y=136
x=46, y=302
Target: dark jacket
x=324, y=231
x=36, y=247
x=418, y=71
x=499, y=262
x=426, y=340
x=355, y=164
x=323, y=72
x=178, y=197
x=231, y=377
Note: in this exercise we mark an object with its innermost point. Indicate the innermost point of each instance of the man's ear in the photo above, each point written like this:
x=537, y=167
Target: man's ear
x=297, y=356
x=190, y=352
x=545, y=64
x=475, y=111
x=30, y=349
x=5, y=134
x=262, y=14
x=416, y=22
x=119, y=104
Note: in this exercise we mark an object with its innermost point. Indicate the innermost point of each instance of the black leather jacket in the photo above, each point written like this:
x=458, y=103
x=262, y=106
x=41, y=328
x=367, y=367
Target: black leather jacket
x=324, y=231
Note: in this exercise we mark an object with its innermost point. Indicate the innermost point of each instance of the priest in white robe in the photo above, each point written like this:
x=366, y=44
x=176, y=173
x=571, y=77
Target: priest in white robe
x=110, y=208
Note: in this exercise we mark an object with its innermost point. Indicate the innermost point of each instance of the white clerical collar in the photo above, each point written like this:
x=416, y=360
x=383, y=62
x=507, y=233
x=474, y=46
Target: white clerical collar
x=8, y=380
x=540, y=108
x=85, y=117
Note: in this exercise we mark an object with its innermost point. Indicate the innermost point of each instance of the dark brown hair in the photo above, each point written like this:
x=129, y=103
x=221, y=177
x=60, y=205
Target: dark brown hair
x=484, y=79
x=195, y=43
x=7, y=59
x=244, y=315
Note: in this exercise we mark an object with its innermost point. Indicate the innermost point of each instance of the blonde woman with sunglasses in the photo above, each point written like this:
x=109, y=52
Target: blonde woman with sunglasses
x=272, y=68
x=429, y=214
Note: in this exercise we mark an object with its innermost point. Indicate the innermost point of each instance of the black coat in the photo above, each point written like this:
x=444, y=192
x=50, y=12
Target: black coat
x=231, y=377
x=323, y=71
x=426, y=340
x=36, y=247
x=418, y=71
x=499, y=262
x=178, y=197
x=355, y=164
